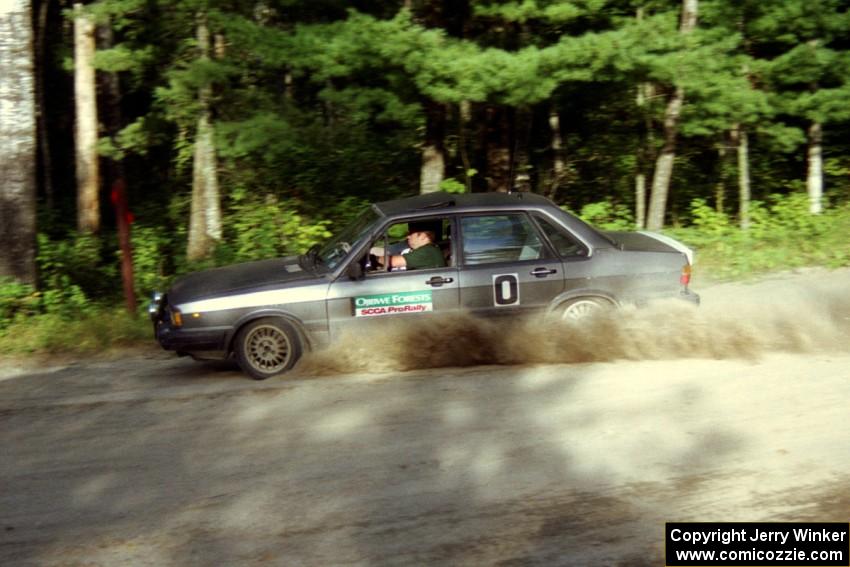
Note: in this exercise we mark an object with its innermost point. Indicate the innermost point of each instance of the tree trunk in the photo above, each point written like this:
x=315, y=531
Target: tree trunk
x=640, y=200
x=522, y=159
x=559, y=168
x=46, y=162
x=433, y=151
x=110, y=89
x=814, y=178
x=644, y=153
x=744, y=192
x=643, y=92
x=664, y=164
x=85, y=98
x=205, y=215
x=17, y=142
x=720, y=185
x=498, y=149
x=464, y=115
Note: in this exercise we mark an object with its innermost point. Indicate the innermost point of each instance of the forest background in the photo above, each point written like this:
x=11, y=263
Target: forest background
x=202, y=132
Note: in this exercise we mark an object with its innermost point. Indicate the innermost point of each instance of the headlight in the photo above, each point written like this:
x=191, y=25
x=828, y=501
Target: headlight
x=155, y=304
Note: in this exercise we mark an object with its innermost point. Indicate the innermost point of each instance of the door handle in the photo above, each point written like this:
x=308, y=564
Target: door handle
x=543, y=272
x=437, y=281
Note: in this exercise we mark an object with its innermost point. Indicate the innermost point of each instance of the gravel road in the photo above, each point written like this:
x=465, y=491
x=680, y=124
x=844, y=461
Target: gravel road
x=737, y=412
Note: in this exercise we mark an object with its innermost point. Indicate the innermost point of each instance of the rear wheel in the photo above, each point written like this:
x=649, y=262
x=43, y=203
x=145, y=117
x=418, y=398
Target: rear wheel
x=583, y=307
x=267, y=347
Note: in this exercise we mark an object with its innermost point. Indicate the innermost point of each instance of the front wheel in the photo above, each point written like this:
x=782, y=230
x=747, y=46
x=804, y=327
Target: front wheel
x=267, y=347
x=581, y=308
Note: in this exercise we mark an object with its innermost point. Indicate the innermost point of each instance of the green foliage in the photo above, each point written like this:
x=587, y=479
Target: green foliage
x=122, y=59
x=608, y=216
x=452, y=185
x=71, y=271
x=133, y=138
x=782, y=235
x=151, y=250
x=709, y=222
x=258, y=229
x=17, y=301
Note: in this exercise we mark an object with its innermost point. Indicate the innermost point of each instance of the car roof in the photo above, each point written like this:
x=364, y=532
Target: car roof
x=431, y=203
x=464, y=201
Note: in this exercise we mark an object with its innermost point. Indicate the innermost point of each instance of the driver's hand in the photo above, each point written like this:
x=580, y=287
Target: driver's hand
x=377, y=251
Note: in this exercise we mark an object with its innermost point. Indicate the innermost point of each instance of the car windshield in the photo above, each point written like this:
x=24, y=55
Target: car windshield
x=335, y=250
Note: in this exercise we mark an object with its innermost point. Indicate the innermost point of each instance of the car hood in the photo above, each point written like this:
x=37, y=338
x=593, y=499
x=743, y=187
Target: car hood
x=238, y=278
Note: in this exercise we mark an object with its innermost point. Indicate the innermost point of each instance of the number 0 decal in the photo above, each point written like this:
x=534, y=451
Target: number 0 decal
x=505, y=290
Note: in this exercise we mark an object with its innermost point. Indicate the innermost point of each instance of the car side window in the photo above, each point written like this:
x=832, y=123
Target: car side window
x=565, y=244
x=488, y=239
x=394, y=242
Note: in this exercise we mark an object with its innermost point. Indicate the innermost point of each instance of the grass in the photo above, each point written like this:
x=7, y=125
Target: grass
x=738, y=255
x=95, y=331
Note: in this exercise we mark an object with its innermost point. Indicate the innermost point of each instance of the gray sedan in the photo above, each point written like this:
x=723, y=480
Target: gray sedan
x=502, y=254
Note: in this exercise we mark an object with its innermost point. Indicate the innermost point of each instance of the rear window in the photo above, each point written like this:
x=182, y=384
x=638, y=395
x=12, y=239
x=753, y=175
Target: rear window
x=565, y=244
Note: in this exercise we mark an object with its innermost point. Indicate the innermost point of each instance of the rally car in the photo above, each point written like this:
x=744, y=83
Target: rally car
x=502, y=254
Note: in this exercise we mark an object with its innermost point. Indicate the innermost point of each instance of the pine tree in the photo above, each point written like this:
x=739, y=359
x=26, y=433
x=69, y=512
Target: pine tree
x=802, y=48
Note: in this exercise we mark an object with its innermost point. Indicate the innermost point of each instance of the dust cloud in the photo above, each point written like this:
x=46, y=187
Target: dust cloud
x=737, y=323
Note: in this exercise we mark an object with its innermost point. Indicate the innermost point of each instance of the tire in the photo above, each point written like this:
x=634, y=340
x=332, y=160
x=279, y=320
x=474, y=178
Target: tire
x=581, y=308
x=267, y=347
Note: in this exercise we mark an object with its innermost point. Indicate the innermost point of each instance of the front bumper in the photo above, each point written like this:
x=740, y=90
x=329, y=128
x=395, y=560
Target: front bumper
x=175, y=337
x=190, y=340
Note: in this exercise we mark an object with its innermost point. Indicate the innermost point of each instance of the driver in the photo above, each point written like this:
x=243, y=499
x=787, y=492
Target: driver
x=423, y=252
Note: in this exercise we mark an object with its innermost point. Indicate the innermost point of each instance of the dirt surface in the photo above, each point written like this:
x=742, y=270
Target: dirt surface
x=573, y=450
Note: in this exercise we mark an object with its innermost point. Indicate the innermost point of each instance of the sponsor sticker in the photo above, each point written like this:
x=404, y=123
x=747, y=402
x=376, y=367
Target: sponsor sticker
x=393, y=303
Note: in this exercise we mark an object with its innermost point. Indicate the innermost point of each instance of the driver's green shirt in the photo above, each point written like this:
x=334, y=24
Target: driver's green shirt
x=428, y=256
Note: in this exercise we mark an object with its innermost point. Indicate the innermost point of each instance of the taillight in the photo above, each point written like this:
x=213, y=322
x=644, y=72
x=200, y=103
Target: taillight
x=685, y=278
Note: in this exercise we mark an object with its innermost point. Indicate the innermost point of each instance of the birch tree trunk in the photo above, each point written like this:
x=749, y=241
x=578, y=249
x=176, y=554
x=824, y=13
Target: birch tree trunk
x=640, y=200
x=559, y=166
x=644, y=151
x=814, y=178
x=744, y=192
x=664, y=164
x=85, y=99
x=433, y=153
x=17, y=142
x=205, y=215
x=641, y=98
x=464, y=115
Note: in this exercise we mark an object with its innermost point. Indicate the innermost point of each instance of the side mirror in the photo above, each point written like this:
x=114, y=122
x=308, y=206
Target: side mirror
x=355, y=270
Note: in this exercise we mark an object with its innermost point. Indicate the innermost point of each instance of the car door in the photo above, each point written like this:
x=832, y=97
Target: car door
x=380, y=295
x=506, y=268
